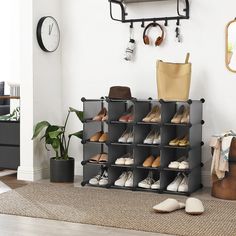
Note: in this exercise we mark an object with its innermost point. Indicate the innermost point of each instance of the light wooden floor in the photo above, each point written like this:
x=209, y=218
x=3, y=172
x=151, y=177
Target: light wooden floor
x=26, y=226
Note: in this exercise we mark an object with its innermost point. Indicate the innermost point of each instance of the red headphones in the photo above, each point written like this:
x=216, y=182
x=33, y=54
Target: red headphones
x=159, y=40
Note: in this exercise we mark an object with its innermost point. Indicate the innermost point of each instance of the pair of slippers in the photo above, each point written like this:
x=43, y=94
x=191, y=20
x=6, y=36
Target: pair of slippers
x=193, y=206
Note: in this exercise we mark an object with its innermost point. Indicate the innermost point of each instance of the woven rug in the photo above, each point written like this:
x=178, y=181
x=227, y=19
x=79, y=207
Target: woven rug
x=117, y=208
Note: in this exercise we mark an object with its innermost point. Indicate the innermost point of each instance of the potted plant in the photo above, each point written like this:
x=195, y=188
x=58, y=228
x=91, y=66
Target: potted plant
x=61, y=165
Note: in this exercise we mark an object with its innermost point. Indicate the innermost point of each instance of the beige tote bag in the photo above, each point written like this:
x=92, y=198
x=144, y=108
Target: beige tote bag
x=173, y=80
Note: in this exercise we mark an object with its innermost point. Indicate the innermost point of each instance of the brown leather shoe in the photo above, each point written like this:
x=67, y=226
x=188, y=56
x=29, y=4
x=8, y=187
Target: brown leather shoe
x=148, y=162
x=95, y=137
x=157, y=162
x=103, y=138
x=95, y=158
x=103, y=158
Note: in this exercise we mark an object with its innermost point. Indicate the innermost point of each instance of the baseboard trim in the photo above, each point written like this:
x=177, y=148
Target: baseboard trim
x=29, y=174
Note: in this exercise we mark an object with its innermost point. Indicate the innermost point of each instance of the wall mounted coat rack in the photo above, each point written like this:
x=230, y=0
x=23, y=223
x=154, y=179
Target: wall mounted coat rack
x=124, y=14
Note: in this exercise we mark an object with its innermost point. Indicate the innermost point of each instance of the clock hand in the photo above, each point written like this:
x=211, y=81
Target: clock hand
x=50, y=30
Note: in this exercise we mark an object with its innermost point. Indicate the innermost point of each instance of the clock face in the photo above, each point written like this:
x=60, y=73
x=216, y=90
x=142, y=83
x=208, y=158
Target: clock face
x=48, y=34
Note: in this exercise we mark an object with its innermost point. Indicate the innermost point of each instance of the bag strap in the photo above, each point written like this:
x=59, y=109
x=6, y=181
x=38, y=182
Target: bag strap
x=187, y=58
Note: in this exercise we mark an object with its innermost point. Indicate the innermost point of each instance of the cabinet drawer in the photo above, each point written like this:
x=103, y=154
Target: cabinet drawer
x=10, y=133
x=9, y=157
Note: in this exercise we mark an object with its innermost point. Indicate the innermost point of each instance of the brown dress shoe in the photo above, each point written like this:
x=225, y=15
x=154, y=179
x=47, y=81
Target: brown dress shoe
x=103, y=158
x=95, y=158
x=95, y=137
x=103, y=138
x=157, y=162
x=148, y=162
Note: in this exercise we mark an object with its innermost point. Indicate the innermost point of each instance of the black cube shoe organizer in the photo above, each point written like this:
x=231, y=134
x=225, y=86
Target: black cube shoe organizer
x=141, y=151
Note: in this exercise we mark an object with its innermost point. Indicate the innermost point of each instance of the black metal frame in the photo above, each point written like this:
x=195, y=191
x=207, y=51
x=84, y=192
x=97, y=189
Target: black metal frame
x=166, y=19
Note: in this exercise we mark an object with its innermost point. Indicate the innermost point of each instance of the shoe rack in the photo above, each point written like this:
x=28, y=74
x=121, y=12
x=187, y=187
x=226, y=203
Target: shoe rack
x=168, y=131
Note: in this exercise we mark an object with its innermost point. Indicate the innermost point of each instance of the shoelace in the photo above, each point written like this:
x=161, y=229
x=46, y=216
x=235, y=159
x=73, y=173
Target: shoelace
x=105, y=175
x=148, y=180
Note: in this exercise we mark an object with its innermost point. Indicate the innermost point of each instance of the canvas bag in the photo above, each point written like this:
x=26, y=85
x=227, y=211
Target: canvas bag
x=173, y=80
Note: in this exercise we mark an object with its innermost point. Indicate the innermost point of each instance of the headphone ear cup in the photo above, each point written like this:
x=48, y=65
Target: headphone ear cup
x=146, y=40
x=159, y=41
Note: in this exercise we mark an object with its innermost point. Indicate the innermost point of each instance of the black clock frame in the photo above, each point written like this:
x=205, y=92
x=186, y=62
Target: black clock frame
x=39, y=35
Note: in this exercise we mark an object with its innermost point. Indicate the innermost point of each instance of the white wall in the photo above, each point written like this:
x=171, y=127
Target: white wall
x=40, y=88
x=9, y=42
x=92, y=53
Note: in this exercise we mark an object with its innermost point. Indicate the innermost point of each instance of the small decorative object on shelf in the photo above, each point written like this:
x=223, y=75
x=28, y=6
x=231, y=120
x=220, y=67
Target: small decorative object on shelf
x=159, y=151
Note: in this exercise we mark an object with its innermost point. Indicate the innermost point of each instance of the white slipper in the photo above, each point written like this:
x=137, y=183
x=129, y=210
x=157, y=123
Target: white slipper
x=194, y=206
x=168, y=205
x=174, y=165
x=184, y=165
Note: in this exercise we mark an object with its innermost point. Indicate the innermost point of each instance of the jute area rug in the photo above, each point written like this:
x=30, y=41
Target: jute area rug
x=116, y=208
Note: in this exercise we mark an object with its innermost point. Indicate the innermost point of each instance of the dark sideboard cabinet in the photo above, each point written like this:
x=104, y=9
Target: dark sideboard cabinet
x=9, y=144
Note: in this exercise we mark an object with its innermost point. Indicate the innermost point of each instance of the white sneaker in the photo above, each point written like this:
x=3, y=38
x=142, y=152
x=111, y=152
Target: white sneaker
x=95, y=180
x=150, y=137
x=146, y=183
x=184, y=165
x=121, y=180
x=157, y=138
x=183, y=187
x=130, y=179
x=174, y=185
x=122, y=160
x=156, y=185
x=129, y=160
x=104, y=179
x=130, y=138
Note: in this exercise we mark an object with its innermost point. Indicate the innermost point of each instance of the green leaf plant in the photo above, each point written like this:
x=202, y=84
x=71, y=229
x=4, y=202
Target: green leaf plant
x=54, y=135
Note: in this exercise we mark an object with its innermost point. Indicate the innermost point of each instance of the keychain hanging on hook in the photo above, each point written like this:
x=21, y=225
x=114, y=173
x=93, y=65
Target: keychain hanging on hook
x=178, y=35
x=129, y=52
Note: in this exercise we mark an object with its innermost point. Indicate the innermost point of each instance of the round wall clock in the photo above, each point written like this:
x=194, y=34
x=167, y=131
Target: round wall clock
x=48, y=34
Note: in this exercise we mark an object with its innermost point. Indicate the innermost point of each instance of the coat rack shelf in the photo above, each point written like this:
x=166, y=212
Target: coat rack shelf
x=124, y=14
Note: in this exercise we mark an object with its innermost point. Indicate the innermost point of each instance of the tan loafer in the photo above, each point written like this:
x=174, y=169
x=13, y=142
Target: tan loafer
x=103, y=158
x=103, y=138
x=157, y=162
x=95, y=158
x=148, y=162
x=95, y=137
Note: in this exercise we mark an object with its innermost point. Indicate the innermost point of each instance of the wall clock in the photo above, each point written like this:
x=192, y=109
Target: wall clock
x=48, y=34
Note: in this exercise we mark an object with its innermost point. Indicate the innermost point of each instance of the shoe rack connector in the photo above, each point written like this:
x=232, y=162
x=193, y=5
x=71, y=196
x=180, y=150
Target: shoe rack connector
x=168, y=131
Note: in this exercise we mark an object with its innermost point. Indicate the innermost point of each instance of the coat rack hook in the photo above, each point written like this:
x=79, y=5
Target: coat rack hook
x=142, y=25
x=178, y=22
x=166, y=22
